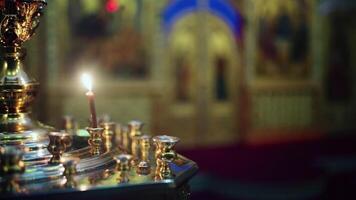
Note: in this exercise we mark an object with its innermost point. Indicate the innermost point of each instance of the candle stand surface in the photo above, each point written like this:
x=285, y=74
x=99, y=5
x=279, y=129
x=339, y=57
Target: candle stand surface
x=107, y=160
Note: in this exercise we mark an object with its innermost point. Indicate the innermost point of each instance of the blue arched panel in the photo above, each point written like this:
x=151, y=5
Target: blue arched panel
x=221, y=8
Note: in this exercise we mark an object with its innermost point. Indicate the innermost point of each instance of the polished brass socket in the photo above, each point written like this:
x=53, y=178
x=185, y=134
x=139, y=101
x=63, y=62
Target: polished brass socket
x=118, y=136
x=123, y=162
x=125, y=139
x=95, y=140
x=135, y=128
x=58, y=143
x=165, y=154
x=123, y=166
x=108, y=134
x=144, y=167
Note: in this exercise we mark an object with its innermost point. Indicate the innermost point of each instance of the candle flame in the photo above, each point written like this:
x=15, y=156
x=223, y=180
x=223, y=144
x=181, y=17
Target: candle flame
x=87, y=81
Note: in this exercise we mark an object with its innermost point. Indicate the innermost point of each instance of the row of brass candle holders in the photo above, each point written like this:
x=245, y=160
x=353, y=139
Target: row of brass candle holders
x=35, y=160
x=127, y=146
x=135, y=147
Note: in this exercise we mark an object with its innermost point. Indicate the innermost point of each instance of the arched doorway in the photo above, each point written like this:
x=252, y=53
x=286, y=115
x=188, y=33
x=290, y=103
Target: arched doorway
x=204, y=67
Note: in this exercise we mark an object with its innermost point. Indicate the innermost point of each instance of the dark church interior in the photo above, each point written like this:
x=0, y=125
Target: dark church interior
x=261, y=96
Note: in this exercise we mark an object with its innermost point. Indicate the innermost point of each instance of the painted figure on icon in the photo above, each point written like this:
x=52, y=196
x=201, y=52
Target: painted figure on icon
x=283, y=39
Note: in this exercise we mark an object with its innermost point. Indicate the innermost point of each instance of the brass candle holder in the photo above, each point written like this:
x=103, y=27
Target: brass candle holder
x=125, y=139
x=109, y=134
x=144, y=166
x=123, y=166
x=165, y=154
x=95, y=140
x=135, y=128
x=58, y=143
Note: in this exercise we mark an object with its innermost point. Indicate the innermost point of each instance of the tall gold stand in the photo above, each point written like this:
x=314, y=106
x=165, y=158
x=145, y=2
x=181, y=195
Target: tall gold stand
x=17, y=89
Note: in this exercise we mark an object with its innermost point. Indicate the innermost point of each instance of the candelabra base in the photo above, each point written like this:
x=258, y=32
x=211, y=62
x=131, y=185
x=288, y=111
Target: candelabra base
x=20, y=130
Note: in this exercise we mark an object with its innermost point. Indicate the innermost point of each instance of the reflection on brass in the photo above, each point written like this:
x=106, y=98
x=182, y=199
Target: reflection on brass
x=10, y=168
x=125, y=138
x=108, y=134
x=95, y=140
x=144, y=167
x=118, y=135
x=70, y=170
x=135, y=128
x=58, y=142
x=135, y=149
x=123, y=162
x=165, y=154
x=123, y=166
x=20, y=21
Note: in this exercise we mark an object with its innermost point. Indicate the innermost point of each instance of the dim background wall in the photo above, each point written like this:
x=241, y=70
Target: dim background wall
x=259, y=108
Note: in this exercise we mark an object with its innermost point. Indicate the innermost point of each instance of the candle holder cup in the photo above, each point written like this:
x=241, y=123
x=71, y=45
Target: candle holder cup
x=58, y=143
x=165, y=154
x=144, y=167
x=95, y=140
x=123, y=166
x=109, y=134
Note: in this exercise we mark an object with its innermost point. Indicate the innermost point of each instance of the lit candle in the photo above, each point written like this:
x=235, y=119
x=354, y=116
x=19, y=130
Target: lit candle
x=86, y=79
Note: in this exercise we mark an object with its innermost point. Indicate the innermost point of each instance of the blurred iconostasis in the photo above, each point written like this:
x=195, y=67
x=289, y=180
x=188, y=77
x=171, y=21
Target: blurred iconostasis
x=212, y=72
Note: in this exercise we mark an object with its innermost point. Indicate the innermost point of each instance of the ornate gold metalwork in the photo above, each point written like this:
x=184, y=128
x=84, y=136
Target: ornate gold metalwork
x=165, y=154
x=20, y=21
x=79, y=166
x=123, y=166
x=95, y=141
x=17, y=89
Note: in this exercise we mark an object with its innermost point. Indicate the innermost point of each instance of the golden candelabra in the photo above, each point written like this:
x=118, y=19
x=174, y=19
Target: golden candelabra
x=17, y=89
x=111, y=160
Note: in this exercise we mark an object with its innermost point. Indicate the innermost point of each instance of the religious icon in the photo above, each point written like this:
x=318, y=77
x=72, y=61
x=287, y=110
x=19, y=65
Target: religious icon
x=283, y=39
